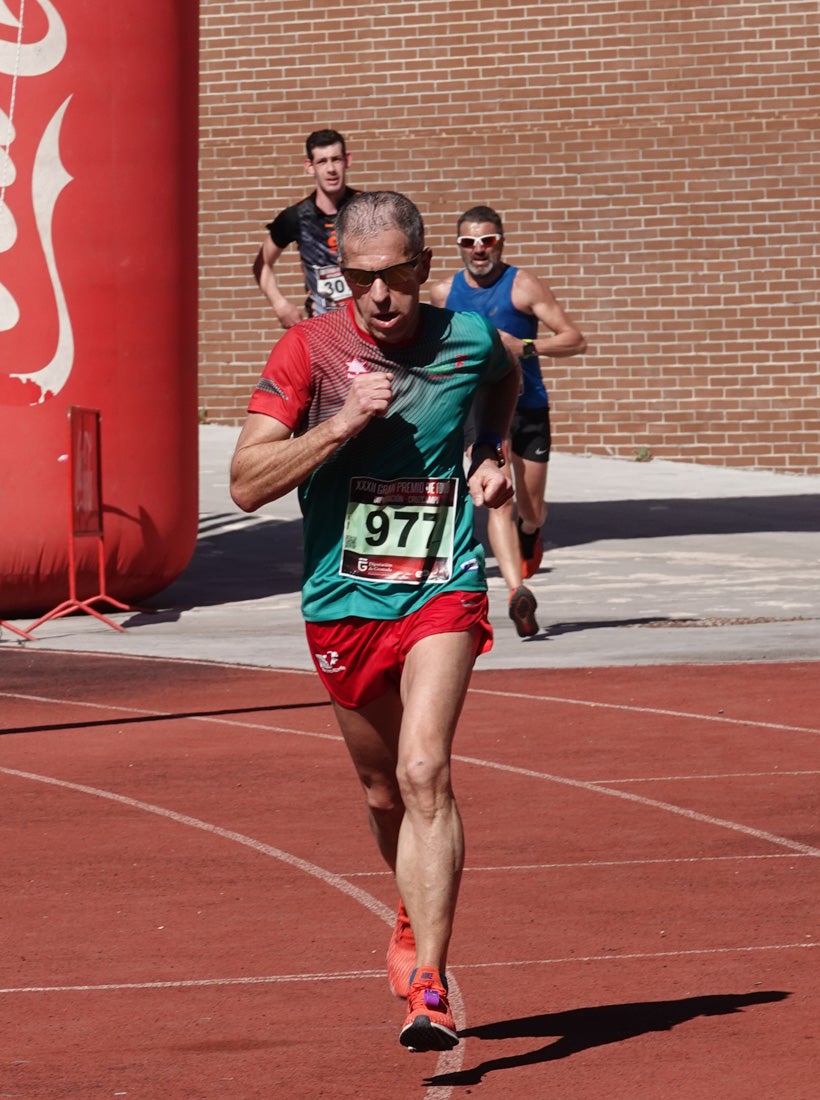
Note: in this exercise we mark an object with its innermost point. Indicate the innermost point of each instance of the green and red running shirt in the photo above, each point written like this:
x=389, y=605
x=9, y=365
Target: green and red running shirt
x=388, y=519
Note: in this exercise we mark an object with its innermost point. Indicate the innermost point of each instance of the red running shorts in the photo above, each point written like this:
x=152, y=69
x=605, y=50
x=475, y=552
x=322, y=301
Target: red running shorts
x=360, y=659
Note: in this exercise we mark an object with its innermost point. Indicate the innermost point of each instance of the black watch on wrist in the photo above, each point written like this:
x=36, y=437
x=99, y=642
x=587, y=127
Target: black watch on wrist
x=493, y=441
x=528, y=349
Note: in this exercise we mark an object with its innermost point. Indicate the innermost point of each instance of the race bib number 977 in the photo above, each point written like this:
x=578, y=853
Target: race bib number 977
x=400, y=531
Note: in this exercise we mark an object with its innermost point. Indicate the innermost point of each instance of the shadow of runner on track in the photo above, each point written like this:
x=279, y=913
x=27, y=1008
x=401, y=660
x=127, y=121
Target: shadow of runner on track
x=252, y=559
x=574, y=523
x=161, y=716
x=239, y=557
x=583, y=1028
x=577, y=522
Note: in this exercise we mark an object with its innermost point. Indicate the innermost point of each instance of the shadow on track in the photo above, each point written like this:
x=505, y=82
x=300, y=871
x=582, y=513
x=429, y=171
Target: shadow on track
x=583, y=1028
x=239, y=557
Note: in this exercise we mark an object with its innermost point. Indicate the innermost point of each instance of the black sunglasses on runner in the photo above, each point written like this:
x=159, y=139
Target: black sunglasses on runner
x=394, y=276
x=488, y=241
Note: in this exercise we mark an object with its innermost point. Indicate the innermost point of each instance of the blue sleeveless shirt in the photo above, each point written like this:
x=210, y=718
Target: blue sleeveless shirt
x=495, y=303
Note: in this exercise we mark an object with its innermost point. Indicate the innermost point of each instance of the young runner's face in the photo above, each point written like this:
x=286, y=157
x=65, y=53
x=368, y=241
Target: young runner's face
x=328, y=167
x=388, y=309
x=482, y=260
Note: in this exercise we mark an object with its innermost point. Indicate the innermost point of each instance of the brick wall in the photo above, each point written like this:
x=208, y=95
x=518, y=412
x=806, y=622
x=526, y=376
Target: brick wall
x=654, y=160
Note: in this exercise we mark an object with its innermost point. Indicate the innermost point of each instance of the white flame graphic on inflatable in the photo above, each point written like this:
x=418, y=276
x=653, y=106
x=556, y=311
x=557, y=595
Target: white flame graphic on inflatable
x=49, y=177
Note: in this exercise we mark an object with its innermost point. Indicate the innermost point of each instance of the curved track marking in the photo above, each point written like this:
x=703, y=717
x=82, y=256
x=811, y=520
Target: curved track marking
x=71, y=702
x=628, y=707
x=587, y=785
x=449, y=1061
x=346, y=975
x=653, y=803
x=198, y=983
x=631, y=708
x=589, y=864
x=647, y=955
x=720, y=719
x=700, y=778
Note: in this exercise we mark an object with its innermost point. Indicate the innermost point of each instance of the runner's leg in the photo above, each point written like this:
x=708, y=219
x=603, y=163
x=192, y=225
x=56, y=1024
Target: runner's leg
x=431, y=842
x=371, y=734
x=530, y=492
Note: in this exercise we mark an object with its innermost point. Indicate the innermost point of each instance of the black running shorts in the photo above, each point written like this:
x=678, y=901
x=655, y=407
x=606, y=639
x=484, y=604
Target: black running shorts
x=530, y=434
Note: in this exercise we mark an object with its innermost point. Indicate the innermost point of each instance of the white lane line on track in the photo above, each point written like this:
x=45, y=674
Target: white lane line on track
x=452, y=1060
x=363, y=975
x=685, y=953
x=79, y=703
x=579, y=784
x=649, y=803
x=449, y=1061
x=195, y=983
x=698, y=778
x=627, y=707
x=373, y=905
x=754, y=723
x=591, y=864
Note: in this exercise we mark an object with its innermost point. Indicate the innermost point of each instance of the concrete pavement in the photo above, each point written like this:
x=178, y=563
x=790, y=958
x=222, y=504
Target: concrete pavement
x=647, y=563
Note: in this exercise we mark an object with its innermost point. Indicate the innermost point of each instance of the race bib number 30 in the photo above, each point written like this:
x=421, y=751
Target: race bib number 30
x=400, y=531
x=330, y=283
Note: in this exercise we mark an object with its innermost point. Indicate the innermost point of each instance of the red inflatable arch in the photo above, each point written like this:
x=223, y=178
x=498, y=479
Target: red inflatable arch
x=98, y=266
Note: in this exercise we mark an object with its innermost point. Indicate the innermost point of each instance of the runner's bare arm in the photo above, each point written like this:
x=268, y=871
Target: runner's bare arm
x=287, y=313
x=269, y=462
x=488, y=483
x=532, y=295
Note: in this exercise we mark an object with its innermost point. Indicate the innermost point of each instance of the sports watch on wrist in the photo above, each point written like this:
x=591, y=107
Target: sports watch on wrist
x=528, y=349
x=494, y=442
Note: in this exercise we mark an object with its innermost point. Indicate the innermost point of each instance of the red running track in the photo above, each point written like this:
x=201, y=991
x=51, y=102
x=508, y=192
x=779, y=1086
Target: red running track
x=194, y=907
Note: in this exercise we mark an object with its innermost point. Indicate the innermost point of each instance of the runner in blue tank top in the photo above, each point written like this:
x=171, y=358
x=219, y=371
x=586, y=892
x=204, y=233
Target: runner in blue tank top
x=517, y=303
x=364, y=410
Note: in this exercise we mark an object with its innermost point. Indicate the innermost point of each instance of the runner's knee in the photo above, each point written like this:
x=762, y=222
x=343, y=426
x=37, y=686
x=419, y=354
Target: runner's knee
x=383, y=794
x=423, y=780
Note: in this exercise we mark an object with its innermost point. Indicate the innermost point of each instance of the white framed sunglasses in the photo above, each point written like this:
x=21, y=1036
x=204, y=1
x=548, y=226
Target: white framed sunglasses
x=489, y=240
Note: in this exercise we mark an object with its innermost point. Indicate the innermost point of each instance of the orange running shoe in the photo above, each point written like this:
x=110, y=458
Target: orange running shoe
x=522, y=607
x=532, y=550
x=401, y=954
x=429, y=1024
